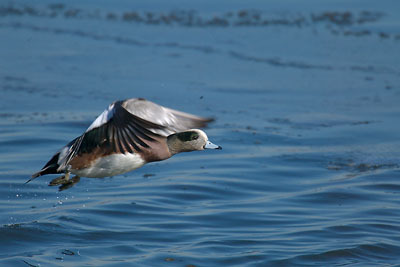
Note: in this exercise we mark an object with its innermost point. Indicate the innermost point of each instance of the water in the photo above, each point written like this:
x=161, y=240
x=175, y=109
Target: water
x=305, y=98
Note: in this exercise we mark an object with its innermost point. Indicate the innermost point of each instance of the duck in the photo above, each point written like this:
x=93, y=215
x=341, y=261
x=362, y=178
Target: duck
x=124, y=137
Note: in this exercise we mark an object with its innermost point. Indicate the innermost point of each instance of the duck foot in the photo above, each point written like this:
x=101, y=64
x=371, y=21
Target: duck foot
x=64, y=181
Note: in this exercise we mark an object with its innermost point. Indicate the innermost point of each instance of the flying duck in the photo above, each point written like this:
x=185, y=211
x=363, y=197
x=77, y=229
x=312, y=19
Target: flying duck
x=127, y=135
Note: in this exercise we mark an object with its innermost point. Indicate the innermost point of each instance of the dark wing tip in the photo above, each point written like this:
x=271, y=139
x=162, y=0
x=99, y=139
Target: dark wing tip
x=208, y=120
x=202, y=122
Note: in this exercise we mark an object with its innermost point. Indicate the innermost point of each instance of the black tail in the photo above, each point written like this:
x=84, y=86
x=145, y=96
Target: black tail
x=50, y=168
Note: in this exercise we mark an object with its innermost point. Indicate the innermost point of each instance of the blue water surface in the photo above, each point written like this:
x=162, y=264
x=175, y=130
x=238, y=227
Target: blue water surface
x=306, y=101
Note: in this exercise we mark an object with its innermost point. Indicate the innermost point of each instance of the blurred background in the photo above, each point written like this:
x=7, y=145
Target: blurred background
x=306, y=101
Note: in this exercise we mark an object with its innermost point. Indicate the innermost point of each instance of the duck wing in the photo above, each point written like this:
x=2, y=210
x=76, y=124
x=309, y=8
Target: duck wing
x=172, y=120
x=124, y=127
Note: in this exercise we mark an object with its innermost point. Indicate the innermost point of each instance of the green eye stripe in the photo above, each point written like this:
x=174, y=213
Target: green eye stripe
x=187, y=136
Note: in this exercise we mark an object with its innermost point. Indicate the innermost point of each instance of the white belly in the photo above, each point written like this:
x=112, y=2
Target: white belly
x=111, y=165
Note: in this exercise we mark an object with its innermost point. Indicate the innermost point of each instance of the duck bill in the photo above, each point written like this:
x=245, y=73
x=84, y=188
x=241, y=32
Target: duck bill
x=210, y=145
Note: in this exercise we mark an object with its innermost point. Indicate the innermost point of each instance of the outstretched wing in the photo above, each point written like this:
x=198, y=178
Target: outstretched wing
x=172, y=120
x=128, y=126
x=124, y=127
x=121, y=132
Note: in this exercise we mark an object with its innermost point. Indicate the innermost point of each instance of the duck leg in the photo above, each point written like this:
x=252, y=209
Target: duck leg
x=64, y=181
x=74, y=180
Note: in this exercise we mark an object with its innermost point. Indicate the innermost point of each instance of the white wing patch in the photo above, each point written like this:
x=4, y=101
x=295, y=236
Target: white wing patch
x=103, y=118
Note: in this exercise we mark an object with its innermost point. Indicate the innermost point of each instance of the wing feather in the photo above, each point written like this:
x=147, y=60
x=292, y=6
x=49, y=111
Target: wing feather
x=123, y=132
x=127, y=127
x=172, y=120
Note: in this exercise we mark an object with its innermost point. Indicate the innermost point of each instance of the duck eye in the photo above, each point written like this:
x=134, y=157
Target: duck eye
x=187, y=136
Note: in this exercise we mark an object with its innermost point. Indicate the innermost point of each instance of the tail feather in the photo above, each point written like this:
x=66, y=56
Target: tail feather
x=51, y=167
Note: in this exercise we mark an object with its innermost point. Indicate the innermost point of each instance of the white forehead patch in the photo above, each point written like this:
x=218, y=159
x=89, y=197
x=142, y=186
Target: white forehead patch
x=201, y=133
